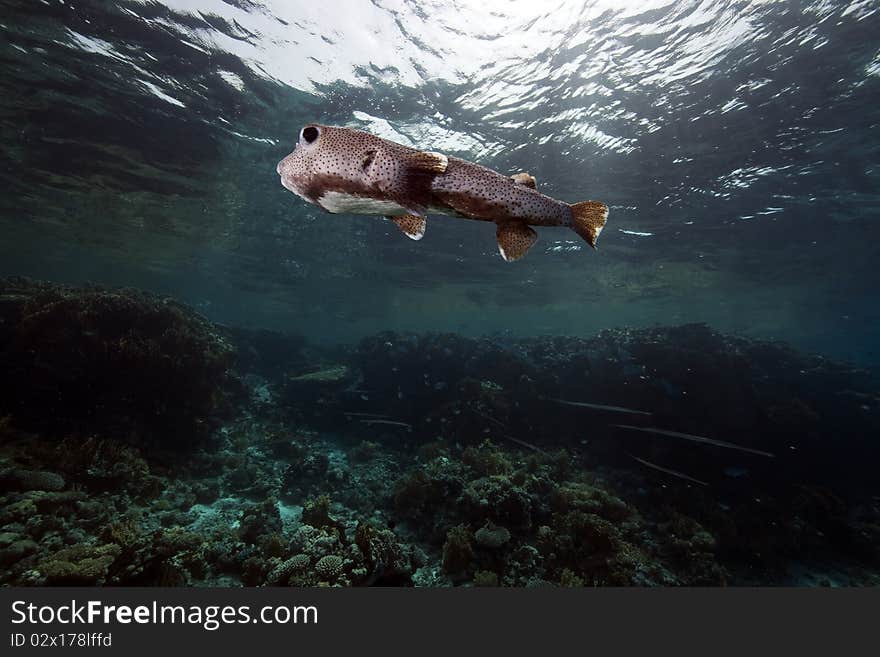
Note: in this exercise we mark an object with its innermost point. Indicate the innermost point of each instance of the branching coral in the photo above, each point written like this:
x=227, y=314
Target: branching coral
x=485, y=578
x=387, y=559
x=491, y=536
x=280, y=575
x=330, y=567
x=80, y=564
x=458, y=551
x=30, y=480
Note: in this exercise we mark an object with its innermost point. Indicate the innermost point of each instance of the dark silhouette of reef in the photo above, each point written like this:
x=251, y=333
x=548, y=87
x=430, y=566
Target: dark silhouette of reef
x=137, y=449
x=818, y=418
x=121, y=363
x=787, y=458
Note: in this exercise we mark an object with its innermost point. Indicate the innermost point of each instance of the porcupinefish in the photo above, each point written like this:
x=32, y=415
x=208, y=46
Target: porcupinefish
x=342, y=170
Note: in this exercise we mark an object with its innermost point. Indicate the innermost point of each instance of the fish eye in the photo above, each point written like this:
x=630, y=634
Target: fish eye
x=309, y=134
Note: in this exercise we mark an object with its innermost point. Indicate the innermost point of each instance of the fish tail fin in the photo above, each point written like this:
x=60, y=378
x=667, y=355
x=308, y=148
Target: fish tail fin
x=588, y=219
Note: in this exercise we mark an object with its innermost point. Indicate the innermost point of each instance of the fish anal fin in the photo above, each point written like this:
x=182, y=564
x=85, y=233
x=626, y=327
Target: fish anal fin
x=412, y=225
x=515, y=238
x=525, y=179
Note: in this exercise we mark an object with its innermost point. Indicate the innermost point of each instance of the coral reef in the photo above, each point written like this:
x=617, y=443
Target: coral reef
x=120, y=363
x=555, y=391
x=431, y=460
x=458, y=550
x=491, y=536
x=80, y=564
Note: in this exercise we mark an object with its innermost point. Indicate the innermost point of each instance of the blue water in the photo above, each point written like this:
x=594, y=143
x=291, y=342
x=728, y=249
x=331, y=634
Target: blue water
x=735, y=142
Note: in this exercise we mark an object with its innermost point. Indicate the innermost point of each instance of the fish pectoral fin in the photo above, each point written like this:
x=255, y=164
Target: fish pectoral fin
x=412, y=225
x=515, y=238
x=426, y=161
x=526, y=179
x=411, y=187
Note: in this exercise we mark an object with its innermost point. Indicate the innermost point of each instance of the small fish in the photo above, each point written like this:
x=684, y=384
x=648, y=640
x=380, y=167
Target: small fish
x=393, y=423
x=695, y=439
x=597, y=407
x=674, y=473
x=486, y=417
x=523, y=443
x=342, y=170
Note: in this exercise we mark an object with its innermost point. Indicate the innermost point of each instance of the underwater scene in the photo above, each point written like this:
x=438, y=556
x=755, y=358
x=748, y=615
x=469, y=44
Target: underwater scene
x=305, y=294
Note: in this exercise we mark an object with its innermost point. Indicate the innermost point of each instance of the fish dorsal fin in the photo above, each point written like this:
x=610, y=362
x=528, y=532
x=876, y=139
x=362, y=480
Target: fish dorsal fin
x=426, y=161
x=411, y=225
x=525, y=179
x=515, y=238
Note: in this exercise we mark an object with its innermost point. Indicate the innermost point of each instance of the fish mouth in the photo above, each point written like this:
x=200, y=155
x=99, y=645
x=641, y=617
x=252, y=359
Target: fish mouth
x=288, y=186
x=278, y=169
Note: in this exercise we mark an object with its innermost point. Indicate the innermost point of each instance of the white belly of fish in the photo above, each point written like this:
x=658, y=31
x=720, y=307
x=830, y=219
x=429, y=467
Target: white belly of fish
x=342, y=203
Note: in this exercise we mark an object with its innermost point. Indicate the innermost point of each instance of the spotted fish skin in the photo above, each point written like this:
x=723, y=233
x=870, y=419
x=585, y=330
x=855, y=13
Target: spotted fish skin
x=342, y=170
x=476, y=192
